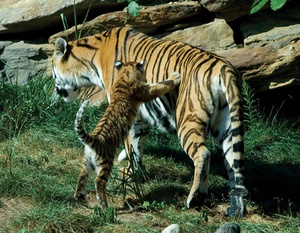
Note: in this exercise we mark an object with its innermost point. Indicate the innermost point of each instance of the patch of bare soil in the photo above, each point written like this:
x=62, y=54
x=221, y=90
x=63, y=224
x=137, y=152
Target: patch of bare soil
x=11, y=208
x=126, y=215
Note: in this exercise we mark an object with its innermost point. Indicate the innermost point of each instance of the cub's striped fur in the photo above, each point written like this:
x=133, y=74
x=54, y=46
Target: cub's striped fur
x=208, y=100
x=129, y=91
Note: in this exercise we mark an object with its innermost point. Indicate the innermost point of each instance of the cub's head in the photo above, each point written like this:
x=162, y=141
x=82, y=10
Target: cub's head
x=131, y=71
x=72, y=68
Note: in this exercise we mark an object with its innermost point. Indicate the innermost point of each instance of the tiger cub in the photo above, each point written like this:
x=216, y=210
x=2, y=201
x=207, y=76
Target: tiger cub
x=129, y=91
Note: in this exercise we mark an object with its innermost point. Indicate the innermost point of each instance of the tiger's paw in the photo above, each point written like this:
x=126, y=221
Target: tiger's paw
x=196, y=199
x=237, y=207
x=103, y=205
x=81, y=197
x=122, y=156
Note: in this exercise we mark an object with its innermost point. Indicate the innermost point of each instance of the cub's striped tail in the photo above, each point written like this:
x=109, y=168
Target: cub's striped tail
x=78, y=125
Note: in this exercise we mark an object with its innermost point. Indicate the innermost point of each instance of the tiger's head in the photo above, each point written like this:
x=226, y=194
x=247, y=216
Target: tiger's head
x=72, y=68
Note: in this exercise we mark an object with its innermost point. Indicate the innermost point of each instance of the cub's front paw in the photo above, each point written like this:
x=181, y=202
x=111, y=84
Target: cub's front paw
x=176, y=77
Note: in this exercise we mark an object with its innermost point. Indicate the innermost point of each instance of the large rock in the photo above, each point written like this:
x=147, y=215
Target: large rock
x=229, y=227
x=277, y=36
x=23, y=61
x=225, y=228
x=24, y=16
x=228, y=9
x=147, y=21
x=173, y=228
x=211, y=36
x=269, y=60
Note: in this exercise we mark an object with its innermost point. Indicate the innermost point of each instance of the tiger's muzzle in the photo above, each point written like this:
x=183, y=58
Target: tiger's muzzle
x=62, y=92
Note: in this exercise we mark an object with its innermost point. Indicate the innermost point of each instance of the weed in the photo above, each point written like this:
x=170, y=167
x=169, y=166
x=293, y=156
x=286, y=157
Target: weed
x=133, y=8
x=104, y=217
x=78, y=33
x=130, y=184
x=259, y=4
x=154, y=205
x=251, y=113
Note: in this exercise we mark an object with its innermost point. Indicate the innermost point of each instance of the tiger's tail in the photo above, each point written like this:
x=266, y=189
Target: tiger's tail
x=236, y=173
x=78, y=124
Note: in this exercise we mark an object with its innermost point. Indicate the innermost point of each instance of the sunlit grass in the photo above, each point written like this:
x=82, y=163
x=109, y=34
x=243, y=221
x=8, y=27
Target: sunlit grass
x=40, y=158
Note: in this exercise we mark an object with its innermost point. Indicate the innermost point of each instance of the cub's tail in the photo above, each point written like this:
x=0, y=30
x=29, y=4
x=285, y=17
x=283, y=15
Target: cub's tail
x=78, y=124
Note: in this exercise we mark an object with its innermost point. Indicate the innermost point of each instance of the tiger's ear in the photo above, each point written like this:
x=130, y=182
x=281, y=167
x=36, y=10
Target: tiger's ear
x=60, y=47
x=140, y=66
x=118, y=64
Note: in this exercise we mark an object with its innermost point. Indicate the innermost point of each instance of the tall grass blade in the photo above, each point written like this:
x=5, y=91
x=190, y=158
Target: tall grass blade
x=65, y=24
x=75, y=21
x=251, y=113
x=83, y=23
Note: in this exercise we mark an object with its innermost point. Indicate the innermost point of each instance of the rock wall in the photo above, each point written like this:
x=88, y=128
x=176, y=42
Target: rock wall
x=265, y=46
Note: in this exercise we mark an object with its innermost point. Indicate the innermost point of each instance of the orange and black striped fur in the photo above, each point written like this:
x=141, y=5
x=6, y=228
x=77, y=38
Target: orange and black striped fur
x=129, y=91
x=208, y=100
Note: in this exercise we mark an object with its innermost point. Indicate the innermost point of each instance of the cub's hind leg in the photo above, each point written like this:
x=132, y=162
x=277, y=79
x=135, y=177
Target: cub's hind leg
x=103, y=169
x=88, y=166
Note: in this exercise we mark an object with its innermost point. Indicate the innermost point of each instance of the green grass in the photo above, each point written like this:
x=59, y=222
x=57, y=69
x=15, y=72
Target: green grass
x=40, y=158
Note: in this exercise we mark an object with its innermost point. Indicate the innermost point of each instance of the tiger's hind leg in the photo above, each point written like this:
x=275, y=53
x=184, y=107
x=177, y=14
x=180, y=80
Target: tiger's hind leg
x=87, y=168
x=233, y=159
x=192, y=138
x=198, y=192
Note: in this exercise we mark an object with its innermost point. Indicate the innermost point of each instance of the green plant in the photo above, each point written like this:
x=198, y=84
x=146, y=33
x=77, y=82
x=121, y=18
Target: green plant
x=153, y=206
x=78, y=33
x=251, y=113
x=131, y=183
x=24, y=106
x=133, y=8
x=259, y=4
x=104, y=217
x=21, y=107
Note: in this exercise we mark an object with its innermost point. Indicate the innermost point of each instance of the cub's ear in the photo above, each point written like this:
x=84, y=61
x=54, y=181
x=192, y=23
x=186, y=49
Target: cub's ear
x=60, y=47
x=118, y=64
x=140, y=66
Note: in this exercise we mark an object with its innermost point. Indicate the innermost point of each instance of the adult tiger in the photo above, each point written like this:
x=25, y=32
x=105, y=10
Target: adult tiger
x=208, y=99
